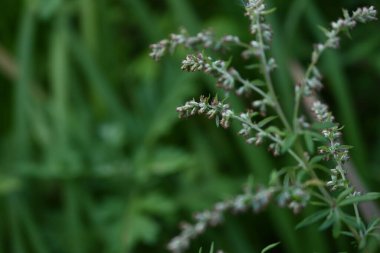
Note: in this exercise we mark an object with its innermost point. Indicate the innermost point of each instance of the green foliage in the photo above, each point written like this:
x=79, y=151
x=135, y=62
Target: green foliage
x=292, y=187
x=269, y=247
x=93, y=156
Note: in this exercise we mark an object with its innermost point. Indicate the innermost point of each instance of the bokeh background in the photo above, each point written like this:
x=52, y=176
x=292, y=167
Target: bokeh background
x=93, y=157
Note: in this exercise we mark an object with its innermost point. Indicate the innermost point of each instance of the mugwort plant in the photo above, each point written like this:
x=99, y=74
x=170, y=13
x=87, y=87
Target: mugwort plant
x=317, y=176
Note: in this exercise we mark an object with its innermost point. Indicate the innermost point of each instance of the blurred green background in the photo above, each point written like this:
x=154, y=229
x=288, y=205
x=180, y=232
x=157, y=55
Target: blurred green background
x=93, y=157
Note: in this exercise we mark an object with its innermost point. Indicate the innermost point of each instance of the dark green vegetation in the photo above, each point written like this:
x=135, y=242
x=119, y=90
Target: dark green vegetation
x=93, y=157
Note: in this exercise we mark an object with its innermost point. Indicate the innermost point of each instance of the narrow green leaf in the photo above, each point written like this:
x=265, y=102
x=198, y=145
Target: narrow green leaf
x=316, y=159
x=270, y=11
x=274, y=178
x=313, y=218
x=212, y=248
x=266, y=121
x=346, y=233
x=318, y=203
x=317, y=136
x=327, y=223
x=337, y=226
x=373, y=225
x=362, y=243
x=258, y=82
x=324, y=30
x=269, y=247
x=288, y=142
x=217, y=120
x=346, y=147
x=273, y=129
x=321, y=167
x=253, y=66
x=346, y=15
x=350, y=220
x=344, y=194
x=309, y=142
x=356, y=199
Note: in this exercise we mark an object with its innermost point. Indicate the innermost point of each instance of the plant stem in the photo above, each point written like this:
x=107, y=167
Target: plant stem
x=273, y=138
x=268, y=79
x=250, y=85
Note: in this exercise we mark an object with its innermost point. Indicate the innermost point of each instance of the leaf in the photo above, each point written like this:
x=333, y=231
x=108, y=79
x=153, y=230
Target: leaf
x=288, y=142
x=318, y=203
x=373, y=225
x=273, y=129
x=327, y=223
x=269, y=247
x=337, y=228
x=347, y=233
x=266, y=121
x=270, y=11
x=258, y=82
x=309, y=142
x=212, y=248
x=346, y=147
x=344, y=194
x=253, y=66
x=346, y=14
x=313, y=218
x=316, y=159
x=217, y=120
x=350, y=220
x=274, y=178
x=324, y=30
x=362, y=243
x=318, y=137
x=356, y=199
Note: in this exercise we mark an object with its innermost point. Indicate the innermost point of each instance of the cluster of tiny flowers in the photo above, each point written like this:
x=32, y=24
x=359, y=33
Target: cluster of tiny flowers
x=255, y=10
x=295, y=198
x=254, y=133
x=255, y=7
x=212, y=218
x=362, y=15
x=365, y=14
x=259, y=134
x=314, y=82
x=297, y=195
x=246, y=130
x=321, y=112
x=261, y=105
x=217, y=109
x=334, y=148
x=202, y=40
x=275, y=147
x=218, y=69
x=303, y=122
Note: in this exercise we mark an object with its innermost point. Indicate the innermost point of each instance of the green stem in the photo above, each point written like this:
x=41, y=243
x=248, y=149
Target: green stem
x=250, y=85
x=268, y=79
x=273, y=138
